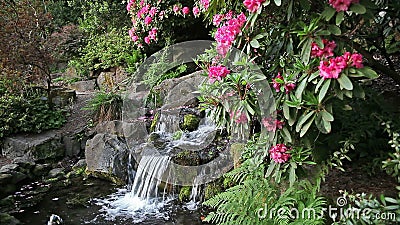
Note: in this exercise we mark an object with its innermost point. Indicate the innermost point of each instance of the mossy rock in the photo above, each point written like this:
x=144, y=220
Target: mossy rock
x=184, y=194
x=211, y=190
x=190, y=122
x=106, y=176
x=187, y=158
x=8, y=219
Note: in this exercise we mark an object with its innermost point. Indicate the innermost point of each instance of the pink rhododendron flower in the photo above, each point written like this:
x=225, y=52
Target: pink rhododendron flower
x=147, y=20
x=253, y=5
x=129, y=5
x=357, y=60
x=279, y=153
x=325, y=52
x=272, y=124
x=217, y=73
x=277, y=84
x=153, y=11
x=147, y=40
x=226, y=35
x=239, y=117
x=196, y=11
x=185, y=10
x=289, y=87
x=341, y=5
x=153, y=34
x=334, y=66
x=176, y=8
x=217, y=19
x=205, y=4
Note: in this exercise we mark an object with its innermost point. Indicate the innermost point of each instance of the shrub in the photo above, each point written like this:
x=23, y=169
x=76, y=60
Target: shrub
x=28, y=113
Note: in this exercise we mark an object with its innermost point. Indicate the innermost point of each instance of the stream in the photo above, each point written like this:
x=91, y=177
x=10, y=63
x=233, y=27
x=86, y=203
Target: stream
x=89, y=202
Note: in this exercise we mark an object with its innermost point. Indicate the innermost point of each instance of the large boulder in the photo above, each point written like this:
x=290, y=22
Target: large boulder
x=107, y=157
x=47, y=146
x=84, y=86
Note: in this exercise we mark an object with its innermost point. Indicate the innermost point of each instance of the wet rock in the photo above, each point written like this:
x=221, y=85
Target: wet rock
x=158, y=140
x=41, y=170
x=9, y=168
x=72, y=145
x=80, y=164
x=7, y=204
x=187, y=158
x=106, y=157
x=5, y=178
x=56, y=172
x=8, y=219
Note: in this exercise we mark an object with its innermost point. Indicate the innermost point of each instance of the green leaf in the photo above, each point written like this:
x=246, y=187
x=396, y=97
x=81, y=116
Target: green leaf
x=300, y=89
x=339, y=18
x=305, y=128
x=320, y=82
x=286, y=135
x=326, y=116
x=286, y=112
x=303, y=118
x=306, y=51
x=328, y=13
x=278, y=2
x=254, y=43
x=345, y=82
x=368, y=72
x=335, y=30
x=292, y=173
x=358, y=91
x=323, y=32
x=357, y=8
x=270, y=169
x=324, y=90
x=327, y=126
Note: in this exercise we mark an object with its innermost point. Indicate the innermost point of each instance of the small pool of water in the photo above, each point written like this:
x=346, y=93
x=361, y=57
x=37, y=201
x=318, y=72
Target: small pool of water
x=95, y=201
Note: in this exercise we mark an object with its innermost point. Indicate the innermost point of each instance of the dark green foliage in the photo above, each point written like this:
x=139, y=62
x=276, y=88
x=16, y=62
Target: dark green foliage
x=29, y=112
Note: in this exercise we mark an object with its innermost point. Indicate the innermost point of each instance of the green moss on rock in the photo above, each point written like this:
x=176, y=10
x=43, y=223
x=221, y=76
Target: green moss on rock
x=190, y=122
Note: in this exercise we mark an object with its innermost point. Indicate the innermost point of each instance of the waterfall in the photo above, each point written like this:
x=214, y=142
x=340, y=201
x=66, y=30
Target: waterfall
x=142, y=198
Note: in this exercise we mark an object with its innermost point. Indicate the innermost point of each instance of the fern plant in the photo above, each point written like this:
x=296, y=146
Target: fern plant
x=259, y=200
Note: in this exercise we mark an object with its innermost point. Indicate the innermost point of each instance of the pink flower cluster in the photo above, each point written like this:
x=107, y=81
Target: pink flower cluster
x=253, y=5
x=226, y=35
x=279, y=153
x=217, y=73
x=334, y=66
x=278, y=81
x=342, y=5
x=205, y=4
x=272, y=124
x=240, y=117
x=325, y=52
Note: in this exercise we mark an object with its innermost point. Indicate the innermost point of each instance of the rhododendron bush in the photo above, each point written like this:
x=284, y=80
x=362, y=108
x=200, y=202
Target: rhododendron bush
x=311, y=54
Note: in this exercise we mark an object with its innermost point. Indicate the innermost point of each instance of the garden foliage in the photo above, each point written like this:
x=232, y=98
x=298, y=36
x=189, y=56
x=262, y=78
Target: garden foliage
x=316, y=56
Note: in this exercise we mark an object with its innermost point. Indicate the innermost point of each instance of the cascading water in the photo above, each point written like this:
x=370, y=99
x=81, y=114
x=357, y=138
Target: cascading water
x=142, y=199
